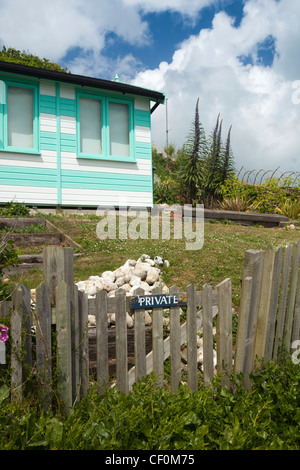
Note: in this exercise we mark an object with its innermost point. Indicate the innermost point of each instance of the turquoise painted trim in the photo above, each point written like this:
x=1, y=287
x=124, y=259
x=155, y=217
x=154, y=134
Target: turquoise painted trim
x=105, y=181
x=103, y=124
x=143, y=150
x=105, y=100
x=35, y=150
x=67, y=107
x=28, y=176
x=130, y=104
x=58, y=144
x=48, y=140
x=142, y=118
x=1, y=126
x=47, y=104
x=68, y=143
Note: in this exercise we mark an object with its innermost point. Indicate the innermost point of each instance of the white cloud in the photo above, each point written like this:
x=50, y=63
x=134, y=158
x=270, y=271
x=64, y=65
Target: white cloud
x=256, y=100
x=51, y=29
x=190, y=7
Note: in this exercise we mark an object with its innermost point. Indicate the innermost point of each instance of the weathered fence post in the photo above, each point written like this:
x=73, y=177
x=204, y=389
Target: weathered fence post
x=191, y=327
x=283, y=300
x=43, y=341
x=175, y=337
x=207, y=321
x=270, y=334
x=241, y=337
x=139, y=340
x=101, y=340
x=264, y=303
x=291, y=296
x=57, y=266
x=84, y=342
x=21, y=358
x=63, y=328
x=158, y=341
x=121, y=341
x=296, y=323
x=75, y=342
x=224, y=330
x=252, y=268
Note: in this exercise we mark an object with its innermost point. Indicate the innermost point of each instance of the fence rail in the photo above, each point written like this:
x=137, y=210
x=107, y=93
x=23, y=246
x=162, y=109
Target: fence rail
x=268, y=320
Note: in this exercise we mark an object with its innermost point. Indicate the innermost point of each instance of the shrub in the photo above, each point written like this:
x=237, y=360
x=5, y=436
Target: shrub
x=14, y=209
x=267, y=418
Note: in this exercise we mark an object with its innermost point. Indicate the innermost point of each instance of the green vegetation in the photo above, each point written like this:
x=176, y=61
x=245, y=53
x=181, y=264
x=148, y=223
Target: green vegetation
x=150, y=418
x=195, y=173
x=222, y=255
x=14, y=209
x=267, y=418
x=13, y=55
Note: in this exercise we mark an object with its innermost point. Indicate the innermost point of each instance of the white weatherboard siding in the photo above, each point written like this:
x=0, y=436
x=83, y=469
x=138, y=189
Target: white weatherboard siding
x=68, y=125
x=47, y=160
x=90, y=197
x=70, y=162
x=28, y=194
x=142, y=134
x=47, y=122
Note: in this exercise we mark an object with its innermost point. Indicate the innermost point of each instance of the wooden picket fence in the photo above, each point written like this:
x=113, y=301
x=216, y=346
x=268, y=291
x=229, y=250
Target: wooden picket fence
x=268, y=321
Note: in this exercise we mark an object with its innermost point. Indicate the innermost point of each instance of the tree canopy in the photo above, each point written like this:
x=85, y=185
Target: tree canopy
x=26, y=58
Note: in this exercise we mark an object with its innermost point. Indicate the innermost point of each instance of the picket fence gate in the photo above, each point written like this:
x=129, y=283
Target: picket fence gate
x=268, y=321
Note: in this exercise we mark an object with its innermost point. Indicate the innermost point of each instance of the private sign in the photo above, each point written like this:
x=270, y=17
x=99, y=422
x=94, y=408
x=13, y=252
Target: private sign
x=156, y=301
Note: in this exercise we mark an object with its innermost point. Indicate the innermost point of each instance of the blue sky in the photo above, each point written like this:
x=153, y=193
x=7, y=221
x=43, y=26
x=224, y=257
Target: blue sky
x=239, y=57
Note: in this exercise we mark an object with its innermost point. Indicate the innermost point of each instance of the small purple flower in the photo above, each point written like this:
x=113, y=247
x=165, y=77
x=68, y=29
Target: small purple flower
x=3, y=333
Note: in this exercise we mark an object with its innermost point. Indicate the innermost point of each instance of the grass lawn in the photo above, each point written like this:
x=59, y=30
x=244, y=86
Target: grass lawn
x=222, y=255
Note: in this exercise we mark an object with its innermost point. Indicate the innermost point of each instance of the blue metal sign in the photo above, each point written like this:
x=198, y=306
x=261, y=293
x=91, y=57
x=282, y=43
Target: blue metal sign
x=157, y=301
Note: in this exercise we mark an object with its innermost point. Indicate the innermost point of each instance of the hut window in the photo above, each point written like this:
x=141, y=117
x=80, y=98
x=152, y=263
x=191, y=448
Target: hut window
x=119, y=129
x=90, y=126
x=20, y=117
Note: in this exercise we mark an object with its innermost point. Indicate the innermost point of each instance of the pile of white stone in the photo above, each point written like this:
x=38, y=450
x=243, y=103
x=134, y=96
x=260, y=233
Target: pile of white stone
x=143, y=273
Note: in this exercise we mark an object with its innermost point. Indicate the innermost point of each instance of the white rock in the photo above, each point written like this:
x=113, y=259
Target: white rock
x=92, y=320
x=142, y=265
x=165, y=289
x=129, y=320
x=135, y=281
x=152, y=275
x=119, y=273
x=150, y=261
x=158, y=260
x=140, y=273
x=109, y=275
x=120, y=281
x=91, y=290
x=109, y=285
x=126, y=287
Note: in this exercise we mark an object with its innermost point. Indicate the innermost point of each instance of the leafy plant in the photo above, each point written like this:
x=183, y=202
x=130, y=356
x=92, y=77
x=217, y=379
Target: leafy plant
x=14, y=209
x=290, y=209
x=237, y=203
x=149, y=418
